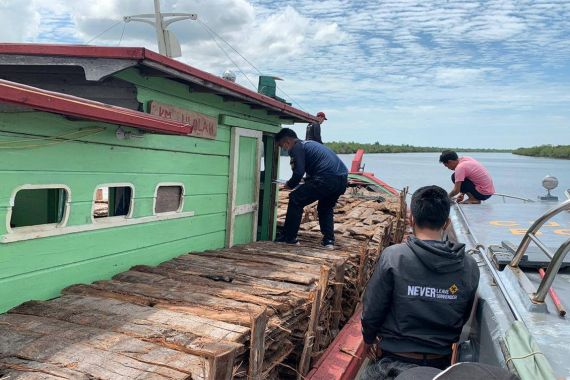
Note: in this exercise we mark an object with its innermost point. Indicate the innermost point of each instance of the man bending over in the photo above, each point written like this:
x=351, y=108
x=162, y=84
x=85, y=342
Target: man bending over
x=470, y=178
x=420, y=294
x=326, y=181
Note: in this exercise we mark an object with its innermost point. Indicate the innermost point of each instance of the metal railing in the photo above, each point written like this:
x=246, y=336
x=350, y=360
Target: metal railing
x=525, y=200
x=490, y=266
x=556, y=258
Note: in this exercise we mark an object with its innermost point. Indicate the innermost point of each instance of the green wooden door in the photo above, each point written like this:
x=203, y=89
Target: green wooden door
x=243, y=197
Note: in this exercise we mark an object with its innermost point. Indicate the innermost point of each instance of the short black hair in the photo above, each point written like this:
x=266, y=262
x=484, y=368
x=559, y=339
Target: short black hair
x=430, y=207
x=448, y=155
x=285, y=132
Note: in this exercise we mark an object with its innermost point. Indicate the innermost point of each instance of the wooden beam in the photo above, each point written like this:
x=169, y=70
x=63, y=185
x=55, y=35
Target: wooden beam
x=257, y=346
x=337, y=300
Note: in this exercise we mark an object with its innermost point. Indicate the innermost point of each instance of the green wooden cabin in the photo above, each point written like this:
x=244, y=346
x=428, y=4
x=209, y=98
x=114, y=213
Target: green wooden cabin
x=111, y=157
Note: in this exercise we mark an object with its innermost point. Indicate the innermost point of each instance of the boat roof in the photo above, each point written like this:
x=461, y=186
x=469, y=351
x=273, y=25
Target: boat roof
x=55, y=102
x=100, y=62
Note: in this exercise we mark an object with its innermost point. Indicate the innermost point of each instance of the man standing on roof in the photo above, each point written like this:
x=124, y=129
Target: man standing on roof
x=470, y=177
x=314, y=129
x=326, y=181
x=420, y=295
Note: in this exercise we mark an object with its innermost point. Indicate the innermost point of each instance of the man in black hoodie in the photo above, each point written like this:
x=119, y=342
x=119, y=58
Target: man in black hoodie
x=420, y=294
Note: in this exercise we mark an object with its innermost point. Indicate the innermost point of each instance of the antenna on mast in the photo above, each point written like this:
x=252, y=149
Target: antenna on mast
x=168, y=44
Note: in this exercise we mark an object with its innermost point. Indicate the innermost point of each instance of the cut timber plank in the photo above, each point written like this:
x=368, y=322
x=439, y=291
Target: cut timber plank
x=222, y=282
x=93, y=351
x=337, y=302
x=257, y=348
x=22, y=369
x=252, y=269
x=184, y=303
x=262, y=257
x=241, y=278
x=134, y=325
x=158, y=281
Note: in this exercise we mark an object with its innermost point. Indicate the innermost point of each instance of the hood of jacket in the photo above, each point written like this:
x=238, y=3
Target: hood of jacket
x=440, y=256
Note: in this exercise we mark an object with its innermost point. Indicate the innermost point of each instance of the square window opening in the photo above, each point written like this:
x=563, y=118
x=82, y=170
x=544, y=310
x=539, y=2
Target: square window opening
x=168, y=199
x=33, y=207
x=112, y=201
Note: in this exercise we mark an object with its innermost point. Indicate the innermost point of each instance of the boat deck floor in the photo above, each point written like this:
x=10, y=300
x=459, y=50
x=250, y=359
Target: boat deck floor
x=493, y=223
x=220, y=314
x=490, y=225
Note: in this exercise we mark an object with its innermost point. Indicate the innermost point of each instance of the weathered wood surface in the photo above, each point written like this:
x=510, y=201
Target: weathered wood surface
x=256, y=311
x=92, y=351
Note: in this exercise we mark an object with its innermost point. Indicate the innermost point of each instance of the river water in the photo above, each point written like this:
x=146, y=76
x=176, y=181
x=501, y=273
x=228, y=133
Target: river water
x=512, y=174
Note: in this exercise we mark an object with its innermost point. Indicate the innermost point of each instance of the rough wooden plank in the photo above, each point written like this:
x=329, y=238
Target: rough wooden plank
x=257, y=346
x=337, y=301
x=230, y=275
x=95, y=352
x=223, y=282
x=158, y=281
x=176, y=302
x=262, y=257
x=133, y=325
x=22, y=369
x=309, y=341
x=252, y=269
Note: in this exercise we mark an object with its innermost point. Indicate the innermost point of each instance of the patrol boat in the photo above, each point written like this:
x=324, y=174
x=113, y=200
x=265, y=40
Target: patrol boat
x=519, y=319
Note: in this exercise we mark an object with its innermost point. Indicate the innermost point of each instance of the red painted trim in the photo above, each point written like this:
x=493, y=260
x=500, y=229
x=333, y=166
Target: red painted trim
x=344, y=357
x=371, y=177
x=357, y=161
x=43, y=100
x=145, y=54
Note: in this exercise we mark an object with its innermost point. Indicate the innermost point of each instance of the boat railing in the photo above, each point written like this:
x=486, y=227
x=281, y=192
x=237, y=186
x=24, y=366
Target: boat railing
x=505, y=196
x=556, y=258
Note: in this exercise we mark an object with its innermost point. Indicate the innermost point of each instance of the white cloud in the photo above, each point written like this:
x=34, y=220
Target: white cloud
x=417, y=66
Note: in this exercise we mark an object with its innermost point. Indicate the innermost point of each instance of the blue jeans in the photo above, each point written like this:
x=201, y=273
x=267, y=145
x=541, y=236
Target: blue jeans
x=326, y=190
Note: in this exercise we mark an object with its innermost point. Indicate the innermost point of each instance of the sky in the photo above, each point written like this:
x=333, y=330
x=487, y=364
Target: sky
x=491, y=74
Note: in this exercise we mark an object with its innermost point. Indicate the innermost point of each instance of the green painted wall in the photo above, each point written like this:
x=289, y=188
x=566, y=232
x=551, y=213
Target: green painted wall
x=83, y=155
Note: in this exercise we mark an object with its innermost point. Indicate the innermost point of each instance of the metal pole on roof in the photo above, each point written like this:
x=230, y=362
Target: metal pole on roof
x=160, y=35
x=168, y=45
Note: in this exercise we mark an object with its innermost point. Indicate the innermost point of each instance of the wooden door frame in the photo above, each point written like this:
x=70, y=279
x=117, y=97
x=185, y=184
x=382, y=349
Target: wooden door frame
x=234, y=211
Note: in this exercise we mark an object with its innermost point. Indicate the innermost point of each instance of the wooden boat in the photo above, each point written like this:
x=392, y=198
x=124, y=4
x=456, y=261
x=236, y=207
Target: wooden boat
x=137, y=193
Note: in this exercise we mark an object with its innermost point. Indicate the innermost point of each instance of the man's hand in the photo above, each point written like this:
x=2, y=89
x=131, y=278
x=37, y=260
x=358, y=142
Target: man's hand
x=460, y=198
x=284, y=187
x=371, y=351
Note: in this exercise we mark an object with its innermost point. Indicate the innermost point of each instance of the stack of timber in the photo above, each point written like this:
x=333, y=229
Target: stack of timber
x=255, y=311
x=379, y=220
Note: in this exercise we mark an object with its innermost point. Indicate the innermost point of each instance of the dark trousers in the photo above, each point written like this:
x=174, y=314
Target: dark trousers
x=467, y=186
x=326, y=190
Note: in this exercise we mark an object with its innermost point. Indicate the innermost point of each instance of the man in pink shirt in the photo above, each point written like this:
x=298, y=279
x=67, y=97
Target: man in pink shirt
x=470, y=178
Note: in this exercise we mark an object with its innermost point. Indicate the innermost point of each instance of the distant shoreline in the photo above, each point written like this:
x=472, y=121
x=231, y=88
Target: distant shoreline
x=351, y=148
x=548, y=151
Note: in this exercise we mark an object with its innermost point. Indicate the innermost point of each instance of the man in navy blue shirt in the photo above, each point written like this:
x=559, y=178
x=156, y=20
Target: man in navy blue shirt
x=325, y=182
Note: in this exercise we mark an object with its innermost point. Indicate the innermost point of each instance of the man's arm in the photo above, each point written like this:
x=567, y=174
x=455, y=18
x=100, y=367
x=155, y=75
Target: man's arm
x=298, y=155
x=317, y=132
x=456, y=189
x=377, y=300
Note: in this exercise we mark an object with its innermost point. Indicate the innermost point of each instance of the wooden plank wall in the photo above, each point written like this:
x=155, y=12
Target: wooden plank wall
x=88, y=155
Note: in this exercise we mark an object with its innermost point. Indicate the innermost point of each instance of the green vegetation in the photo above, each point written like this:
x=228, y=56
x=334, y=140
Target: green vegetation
x=552, y=151
x=351, y=147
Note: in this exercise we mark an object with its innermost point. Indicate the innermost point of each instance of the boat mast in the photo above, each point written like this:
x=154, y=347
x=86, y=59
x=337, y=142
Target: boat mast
x=168, y=45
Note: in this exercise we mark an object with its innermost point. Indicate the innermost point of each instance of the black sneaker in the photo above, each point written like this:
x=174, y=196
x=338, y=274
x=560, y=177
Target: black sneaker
x=282, y=239
x=328, y=243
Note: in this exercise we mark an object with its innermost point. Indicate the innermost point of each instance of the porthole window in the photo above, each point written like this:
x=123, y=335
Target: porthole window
x=168, y=198
x=112, y=200
x=39, y=206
